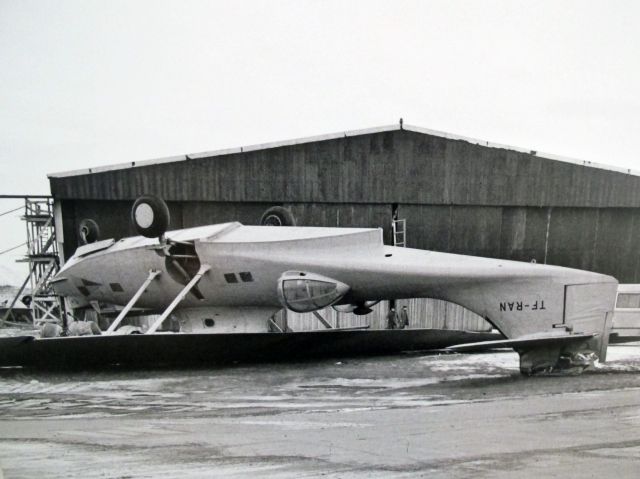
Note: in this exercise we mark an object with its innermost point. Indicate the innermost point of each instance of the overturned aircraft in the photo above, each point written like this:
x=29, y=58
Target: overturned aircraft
x=238, y=276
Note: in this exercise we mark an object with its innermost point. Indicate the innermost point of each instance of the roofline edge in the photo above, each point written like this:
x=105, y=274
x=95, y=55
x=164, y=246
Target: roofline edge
x=333, y=136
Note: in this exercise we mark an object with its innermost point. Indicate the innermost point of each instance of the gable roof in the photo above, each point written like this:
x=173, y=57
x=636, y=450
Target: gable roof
x=333, y=136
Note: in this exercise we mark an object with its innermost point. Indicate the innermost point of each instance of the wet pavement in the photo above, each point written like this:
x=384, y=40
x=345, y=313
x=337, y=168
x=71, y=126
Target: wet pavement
x=464, y=415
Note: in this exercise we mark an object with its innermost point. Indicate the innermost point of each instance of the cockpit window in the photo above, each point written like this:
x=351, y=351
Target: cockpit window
x=310, y=293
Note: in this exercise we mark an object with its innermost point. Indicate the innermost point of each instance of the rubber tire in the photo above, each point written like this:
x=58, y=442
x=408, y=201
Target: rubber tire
x=160, y=220
x=88, y=231
x=277, y=216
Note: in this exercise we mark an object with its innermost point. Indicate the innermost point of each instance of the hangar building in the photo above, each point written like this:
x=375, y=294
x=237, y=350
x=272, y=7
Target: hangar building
x=456, y=194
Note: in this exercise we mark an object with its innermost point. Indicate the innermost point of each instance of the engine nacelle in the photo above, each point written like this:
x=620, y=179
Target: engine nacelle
x=359, y=309
x=304, y=292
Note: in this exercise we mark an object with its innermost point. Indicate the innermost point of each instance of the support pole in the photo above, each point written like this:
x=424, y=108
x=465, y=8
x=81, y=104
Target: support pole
x=275, y=325
x=203, y=269
x=322, y=320
x=152, y=275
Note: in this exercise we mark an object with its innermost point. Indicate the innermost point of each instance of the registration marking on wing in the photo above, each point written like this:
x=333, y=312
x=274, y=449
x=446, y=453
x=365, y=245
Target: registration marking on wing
x=537, y=305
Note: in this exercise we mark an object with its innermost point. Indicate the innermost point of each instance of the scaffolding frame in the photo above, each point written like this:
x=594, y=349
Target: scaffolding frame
x=43, y=259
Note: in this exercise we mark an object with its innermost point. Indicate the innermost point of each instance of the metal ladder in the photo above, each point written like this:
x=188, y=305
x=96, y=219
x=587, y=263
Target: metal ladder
x=399, y=228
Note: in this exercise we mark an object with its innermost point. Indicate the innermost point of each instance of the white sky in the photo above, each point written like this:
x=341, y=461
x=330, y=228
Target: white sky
x=87, y=83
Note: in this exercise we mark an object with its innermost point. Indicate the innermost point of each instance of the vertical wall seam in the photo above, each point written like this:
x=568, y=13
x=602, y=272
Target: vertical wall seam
x=595, y=240
x=546, y=237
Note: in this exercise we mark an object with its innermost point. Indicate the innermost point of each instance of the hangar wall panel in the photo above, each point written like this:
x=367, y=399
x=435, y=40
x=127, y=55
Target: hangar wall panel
x=384, y=168
x=476, y=230
x=457, y=197
x=422, y=312
x=496, y=232
x=113, y=217
x=343, y=215
x=524, y=233
x=195, y=213
x=616, y=252
x=428, y=226
x=572, y=237
x=596, y=239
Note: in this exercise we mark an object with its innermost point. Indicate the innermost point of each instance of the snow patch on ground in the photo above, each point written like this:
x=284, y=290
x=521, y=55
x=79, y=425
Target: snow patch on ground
x=630, y=352
x=377, y=383
x=622, y=357
x=491, y=361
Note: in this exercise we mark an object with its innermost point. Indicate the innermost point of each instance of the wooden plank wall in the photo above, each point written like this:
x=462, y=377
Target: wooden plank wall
x=594, y=239
x=456, y=197
x=581, y=238
x=383, y=168
x=114, y=217
x=344, y=215
x=423, y=313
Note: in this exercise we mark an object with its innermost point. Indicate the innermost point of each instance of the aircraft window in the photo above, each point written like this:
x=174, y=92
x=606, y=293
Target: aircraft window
x=628, y=300
x=303, y=295
x=209, y=322
x=246, y=277
x=116, y=287
x=230, y=278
